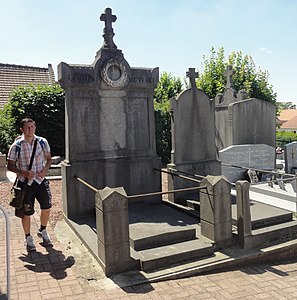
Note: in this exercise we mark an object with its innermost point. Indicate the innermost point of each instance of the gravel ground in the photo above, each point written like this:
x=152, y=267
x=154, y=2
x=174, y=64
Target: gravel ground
x=56, y=189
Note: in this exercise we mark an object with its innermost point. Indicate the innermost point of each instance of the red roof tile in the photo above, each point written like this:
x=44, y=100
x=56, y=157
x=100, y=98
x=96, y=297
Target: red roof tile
x=287, y=114
x=12, y=76
x=291, y=124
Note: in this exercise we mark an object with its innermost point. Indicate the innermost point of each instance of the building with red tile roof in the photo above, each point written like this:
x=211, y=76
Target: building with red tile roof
x=287, y=114
x=12, y=76
x=288, y=120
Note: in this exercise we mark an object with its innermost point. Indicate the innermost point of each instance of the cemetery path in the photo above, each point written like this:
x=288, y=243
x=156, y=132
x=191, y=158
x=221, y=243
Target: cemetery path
x=67, y=271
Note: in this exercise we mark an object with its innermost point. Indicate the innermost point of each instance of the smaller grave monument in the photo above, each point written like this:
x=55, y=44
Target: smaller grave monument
x=193, y=136
x=259, y=156
x=291, y=158
x=241, y=120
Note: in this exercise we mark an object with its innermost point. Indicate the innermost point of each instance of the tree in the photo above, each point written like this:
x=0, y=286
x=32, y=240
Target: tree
x=285, y=137
x=44, y=104
x=167, y=88
x=6, y=130
x=255, y=82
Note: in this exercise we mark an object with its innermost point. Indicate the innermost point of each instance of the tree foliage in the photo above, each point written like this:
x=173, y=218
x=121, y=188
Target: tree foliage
x=167, y=88
x=44, y=104
x=285, y=137
x=246, y=77
x=212, y=81
x=6, y=130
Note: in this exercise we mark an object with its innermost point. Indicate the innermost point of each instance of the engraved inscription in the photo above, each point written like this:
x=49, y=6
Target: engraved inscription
x=80, y=78
x=142, y=79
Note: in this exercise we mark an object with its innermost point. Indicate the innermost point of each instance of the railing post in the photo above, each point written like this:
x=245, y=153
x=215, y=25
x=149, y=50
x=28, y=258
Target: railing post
x=112, y=223
x=170, y=181
x=295, y=191
x=3, y=168
x=7, y=252
x=244, y=226
x=215, y=211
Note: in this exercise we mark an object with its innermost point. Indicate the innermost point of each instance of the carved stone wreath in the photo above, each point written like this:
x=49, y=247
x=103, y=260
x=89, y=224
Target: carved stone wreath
x=114, y=73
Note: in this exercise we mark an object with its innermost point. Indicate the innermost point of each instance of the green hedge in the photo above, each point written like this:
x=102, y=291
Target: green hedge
x=43, y=103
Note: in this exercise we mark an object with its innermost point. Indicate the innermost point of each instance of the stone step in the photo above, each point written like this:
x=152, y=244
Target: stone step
x=54, y=170
x=157, y=258
x=56, y=160
x=195, y=205
x=259, y=216
x=275, y=234
x=275, y=192
x=270, y=221
x=264, y=215
x=163, y=239
x=185, y=209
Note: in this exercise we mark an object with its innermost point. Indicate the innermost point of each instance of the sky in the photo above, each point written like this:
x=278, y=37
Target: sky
x=173, y=35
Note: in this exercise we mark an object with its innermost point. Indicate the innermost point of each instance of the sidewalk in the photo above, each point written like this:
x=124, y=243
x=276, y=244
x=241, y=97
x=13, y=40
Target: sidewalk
x=67, y=271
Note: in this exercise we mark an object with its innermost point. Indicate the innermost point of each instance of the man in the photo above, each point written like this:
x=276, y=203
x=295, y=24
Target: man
x=18, y=160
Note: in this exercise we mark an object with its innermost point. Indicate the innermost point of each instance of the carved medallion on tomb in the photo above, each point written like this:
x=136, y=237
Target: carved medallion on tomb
x=114, y=73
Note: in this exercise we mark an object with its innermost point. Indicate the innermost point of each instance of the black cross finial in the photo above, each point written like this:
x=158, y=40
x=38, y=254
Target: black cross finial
x=229, y=74
x=192, y=75
x=108, y=35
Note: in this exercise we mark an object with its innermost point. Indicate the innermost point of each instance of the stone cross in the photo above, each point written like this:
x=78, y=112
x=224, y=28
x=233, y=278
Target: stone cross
x=229, y=74
x=192, y=75
x=108, y=35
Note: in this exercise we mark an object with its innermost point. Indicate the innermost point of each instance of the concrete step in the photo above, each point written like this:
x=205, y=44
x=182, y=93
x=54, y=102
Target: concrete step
x=163, y=239
x=185, y=209
x=270, y=221
x=275, y=234
x=262, y=215
x=273, y=196
x=194, y=204
x=54, y=170
x=276, y=192
x=157, y=258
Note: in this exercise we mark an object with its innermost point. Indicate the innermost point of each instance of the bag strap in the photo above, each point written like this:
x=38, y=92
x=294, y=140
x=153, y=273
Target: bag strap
x=32, y=156
x=30, y=164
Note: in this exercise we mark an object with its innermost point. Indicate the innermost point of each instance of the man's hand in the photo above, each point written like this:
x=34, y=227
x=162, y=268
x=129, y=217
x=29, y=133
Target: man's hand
x=28, y=174
x=41, y=174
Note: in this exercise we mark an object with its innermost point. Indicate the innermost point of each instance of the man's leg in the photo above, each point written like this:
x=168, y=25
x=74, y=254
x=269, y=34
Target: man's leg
x=44, y=198
x=44, y=216
x=29, y=243
x=26, y=222
x=25, y=213
x=42, y=232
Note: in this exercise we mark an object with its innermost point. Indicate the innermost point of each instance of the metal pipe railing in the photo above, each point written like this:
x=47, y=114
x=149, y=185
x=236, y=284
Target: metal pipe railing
x=7, y=251
x=186, y=173
x=177, y=175
x=148, y=194
x=167, y=192
x=86, y=184
x=258, y=170
x=290, y=177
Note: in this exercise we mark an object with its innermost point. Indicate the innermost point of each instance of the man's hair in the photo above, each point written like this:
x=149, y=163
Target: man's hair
x=27, y=120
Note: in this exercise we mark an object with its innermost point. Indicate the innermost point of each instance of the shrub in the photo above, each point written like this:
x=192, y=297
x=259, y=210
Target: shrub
x=44, y=104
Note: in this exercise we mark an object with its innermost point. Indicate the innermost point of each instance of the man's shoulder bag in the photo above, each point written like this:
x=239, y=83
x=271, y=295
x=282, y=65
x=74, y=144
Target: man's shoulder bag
x=17, y=194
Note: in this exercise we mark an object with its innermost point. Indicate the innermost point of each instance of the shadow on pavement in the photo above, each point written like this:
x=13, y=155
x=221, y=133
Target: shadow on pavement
x=53, y=262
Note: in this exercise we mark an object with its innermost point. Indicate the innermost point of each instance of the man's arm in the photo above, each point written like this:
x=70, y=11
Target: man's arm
x=11, y=166
x=48, y=158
